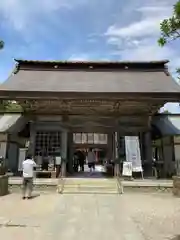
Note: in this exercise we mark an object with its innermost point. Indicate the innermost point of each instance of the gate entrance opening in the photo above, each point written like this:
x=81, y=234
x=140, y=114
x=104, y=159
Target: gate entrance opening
x=82, y=142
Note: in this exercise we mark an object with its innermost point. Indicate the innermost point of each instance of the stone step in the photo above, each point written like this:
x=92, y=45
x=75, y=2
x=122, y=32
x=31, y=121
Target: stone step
x=91, y=182
x=85, y=191
x=89, y=186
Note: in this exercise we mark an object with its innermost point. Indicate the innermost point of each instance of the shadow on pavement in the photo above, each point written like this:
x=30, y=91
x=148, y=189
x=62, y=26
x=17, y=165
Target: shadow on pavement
x=34, y=196
x=176, y=238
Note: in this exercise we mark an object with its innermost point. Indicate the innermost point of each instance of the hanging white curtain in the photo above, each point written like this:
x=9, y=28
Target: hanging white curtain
x=133, y=153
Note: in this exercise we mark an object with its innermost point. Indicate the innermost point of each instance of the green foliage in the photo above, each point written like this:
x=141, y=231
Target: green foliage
x=170, y=28
x=1, y=44
x=10, y=106
x=166, y=112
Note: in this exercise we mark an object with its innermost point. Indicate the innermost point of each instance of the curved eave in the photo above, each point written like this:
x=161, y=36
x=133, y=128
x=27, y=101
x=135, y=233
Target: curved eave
x=20, y=61
x=167, y=125
x=164, y=96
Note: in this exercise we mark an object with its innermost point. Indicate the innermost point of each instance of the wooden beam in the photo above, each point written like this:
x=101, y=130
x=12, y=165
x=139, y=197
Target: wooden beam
x=141, y=96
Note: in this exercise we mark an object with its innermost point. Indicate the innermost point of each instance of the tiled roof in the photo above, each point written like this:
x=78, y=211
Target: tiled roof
x=167, y=125
x=91, y=81
x=11, y=122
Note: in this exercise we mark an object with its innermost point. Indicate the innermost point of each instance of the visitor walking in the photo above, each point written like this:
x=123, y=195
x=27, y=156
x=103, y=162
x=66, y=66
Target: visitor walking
x=91, y=158
x=58, y=162
x=81, y=158
x=75, y=162
x=28, y=166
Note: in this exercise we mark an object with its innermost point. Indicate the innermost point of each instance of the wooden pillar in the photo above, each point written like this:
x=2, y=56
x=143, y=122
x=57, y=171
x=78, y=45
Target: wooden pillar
x=64, y=144
x=110, y=146
x=116, y=145
x=71, y=152
x=31, y=148
x=141, y=143
x=148, y=151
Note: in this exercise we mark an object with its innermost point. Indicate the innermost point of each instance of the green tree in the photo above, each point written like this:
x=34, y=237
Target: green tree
x=165, y=112
x=1, y=44
x=9, y=106
x=170, y=28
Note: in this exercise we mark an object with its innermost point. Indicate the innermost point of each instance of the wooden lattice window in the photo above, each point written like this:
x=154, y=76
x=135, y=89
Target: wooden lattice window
x=47, y=143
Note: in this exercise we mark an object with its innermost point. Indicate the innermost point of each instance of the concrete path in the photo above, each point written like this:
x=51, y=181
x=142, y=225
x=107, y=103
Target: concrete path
x=132, y=216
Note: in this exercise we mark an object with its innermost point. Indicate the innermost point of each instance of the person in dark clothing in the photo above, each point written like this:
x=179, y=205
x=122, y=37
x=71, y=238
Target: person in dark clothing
x=81, y=158
x=75, y=162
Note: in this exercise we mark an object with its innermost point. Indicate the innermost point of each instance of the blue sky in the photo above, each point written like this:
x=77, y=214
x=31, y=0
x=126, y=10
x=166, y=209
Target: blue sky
x=84, y=30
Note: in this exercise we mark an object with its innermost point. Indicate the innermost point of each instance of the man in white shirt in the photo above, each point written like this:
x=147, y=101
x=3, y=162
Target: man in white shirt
x=28, y=166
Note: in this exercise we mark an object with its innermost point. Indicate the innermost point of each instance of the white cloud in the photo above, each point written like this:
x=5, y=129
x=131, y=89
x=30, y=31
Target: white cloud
x=79, y=57
x=145, y=52
x=146, y=27
x=86, y=57
x=161, y=11
x=137, y=40
x=22, y=14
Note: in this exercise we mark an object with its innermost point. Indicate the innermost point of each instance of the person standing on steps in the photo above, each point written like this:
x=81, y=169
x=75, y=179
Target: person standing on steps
x=91, y=158
x=28, y=167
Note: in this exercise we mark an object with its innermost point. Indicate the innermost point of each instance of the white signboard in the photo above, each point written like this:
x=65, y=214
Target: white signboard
x=58, y=160
x=133, y=154
x=127, y=169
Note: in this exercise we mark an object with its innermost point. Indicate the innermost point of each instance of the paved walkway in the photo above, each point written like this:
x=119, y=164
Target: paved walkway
x=132, y=216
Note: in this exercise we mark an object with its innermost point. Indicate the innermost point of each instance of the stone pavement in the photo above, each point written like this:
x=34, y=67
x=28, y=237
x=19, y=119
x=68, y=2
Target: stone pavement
x=132, y=216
